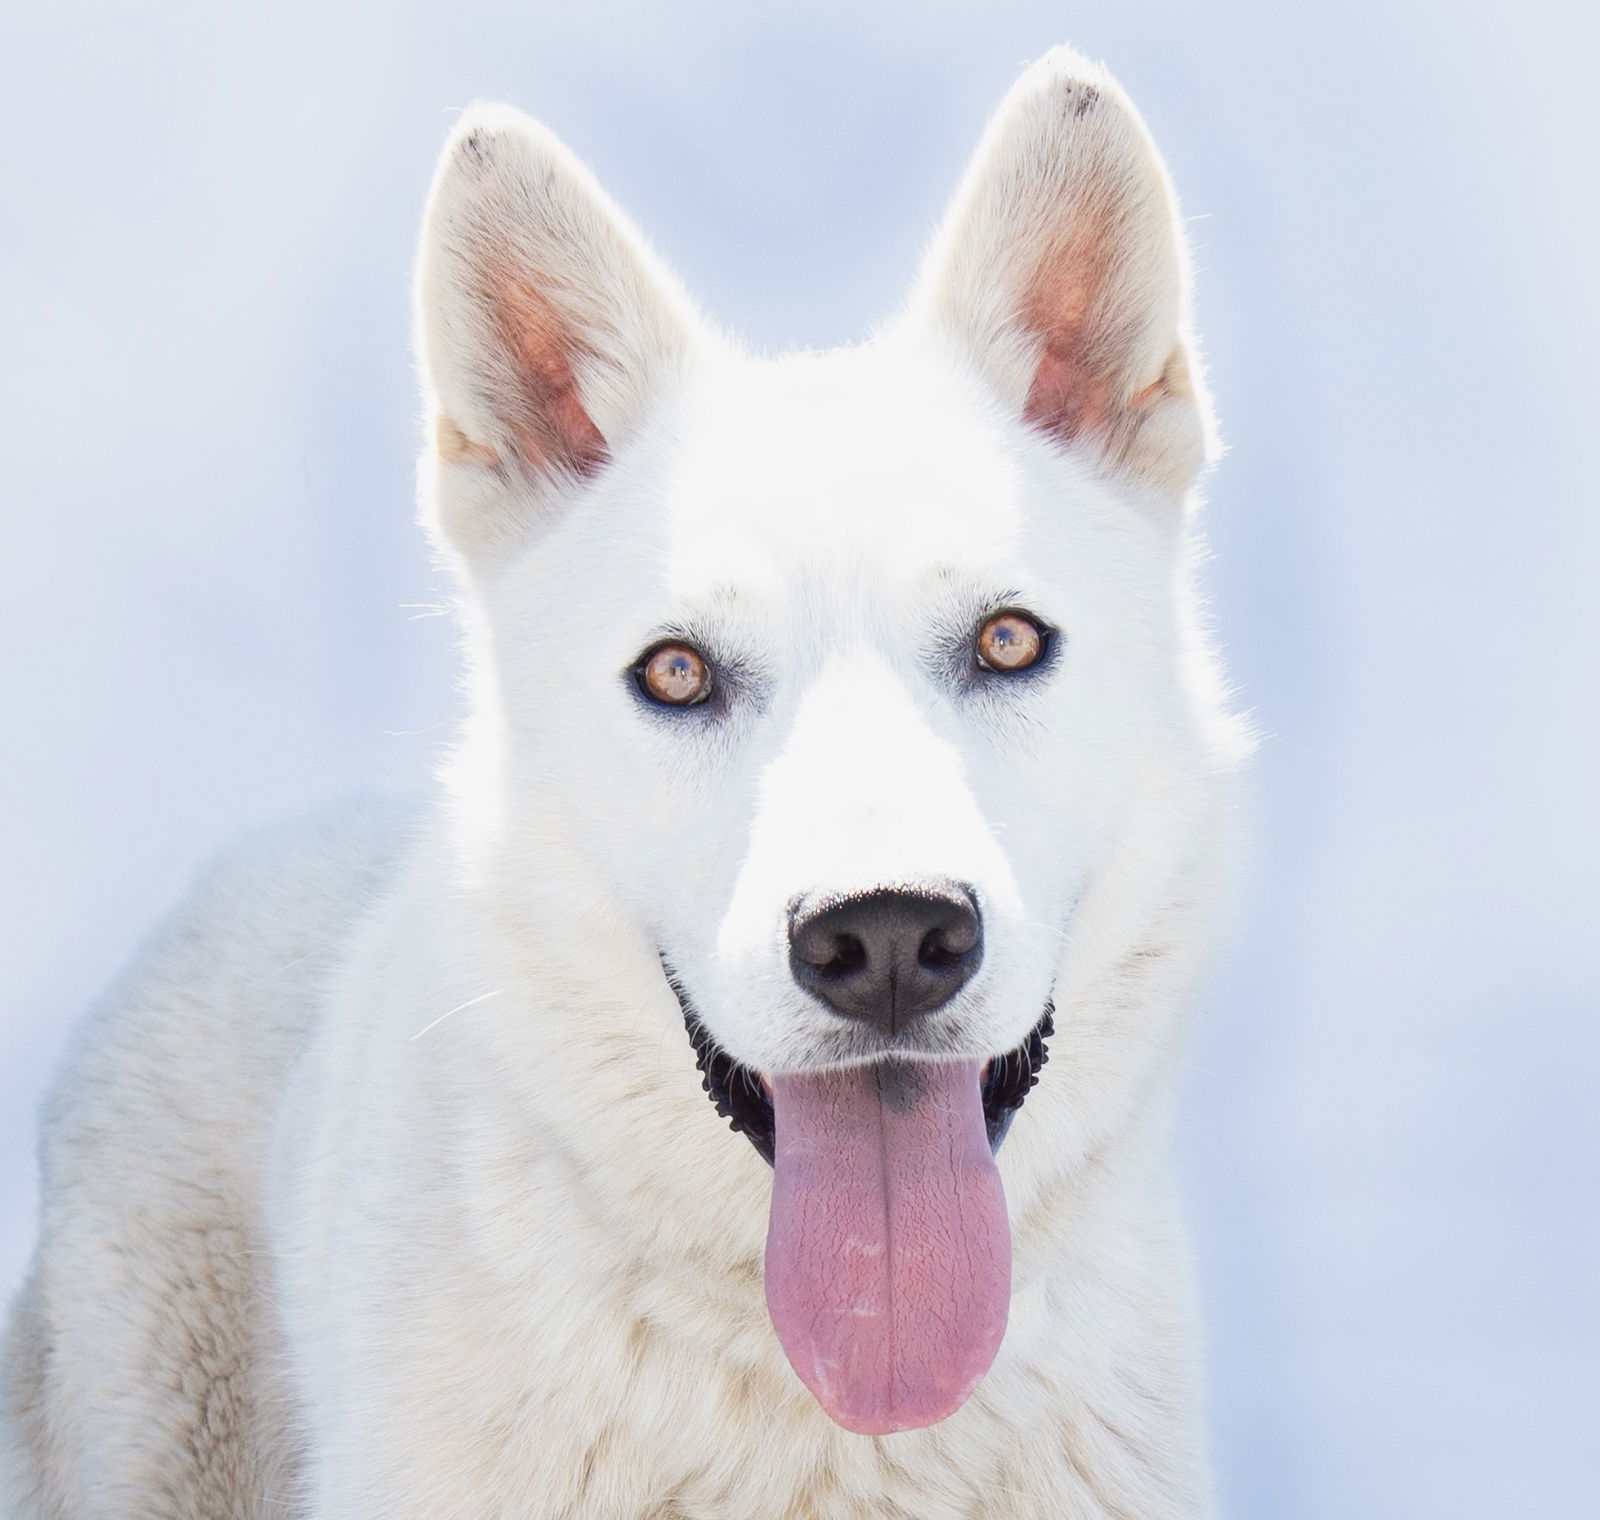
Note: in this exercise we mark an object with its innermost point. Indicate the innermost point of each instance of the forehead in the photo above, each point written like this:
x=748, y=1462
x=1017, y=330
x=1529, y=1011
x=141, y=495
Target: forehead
x=835, y=466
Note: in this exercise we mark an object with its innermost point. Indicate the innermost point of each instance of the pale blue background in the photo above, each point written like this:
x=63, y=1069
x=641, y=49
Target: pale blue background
x=208, y=611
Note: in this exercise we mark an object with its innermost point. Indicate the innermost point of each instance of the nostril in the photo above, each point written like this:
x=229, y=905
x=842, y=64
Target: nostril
x=849, y=956
x=949, y=943
x=945, y=946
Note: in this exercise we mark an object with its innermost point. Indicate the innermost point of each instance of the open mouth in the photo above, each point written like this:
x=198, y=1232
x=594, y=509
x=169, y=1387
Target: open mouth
x=742, y=1098
x=888, y=1260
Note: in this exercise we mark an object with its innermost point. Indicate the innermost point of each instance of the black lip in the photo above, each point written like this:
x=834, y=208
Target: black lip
x=737, y=1093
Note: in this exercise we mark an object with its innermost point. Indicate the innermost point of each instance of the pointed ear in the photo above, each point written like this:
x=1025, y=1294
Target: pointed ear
x=546, y=326
x=1061, y=275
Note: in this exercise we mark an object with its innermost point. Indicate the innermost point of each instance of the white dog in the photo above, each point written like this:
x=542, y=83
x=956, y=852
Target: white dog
x=837, y=720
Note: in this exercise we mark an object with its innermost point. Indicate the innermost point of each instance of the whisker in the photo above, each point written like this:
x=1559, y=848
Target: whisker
x=482, y=997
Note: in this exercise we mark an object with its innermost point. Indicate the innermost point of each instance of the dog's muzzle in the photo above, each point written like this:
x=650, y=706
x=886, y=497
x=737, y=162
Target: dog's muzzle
x=740, y=1097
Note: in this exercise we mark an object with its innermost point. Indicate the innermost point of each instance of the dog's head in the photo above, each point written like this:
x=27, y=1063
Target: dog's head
x=856, y=683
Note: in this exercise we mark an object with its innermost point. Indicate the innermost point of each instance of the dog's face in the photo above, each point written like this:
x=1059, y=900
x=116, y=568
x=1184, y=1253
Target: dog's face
x=846, y=645
x=851, y=678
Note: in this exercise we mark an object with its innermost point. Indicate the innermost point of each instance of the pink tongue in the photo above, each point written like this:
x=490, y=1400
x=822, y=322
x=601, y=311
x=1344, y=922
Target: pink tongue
x=888, y=1252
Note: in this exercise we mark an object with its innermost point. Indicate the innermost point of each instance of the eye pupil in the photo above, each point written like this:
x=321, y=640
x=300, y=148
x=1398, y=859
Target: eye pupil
x=676, y=676
x=1010, y=642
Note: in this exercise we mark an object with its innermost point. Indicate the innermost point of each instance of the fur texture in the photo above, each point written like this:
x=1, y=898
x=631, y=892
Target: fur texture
x=384, y=1185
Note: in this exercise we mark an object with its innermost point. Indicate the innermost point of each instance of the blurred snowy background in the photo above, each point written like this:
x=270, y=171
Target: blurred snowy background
x=212, y=583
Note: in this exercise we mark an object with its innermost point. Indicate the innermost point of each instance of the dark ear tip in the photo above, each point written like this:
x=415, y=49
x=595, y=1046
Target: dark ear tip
x=484, y=131
x=1080, y=98
x=473, y=152
x=1068, y=89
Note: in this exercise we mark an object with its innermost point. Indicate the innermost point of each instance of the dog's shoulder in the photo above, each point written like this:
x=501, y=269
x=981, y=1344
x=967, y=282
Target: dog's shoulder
x=143, y=1311
x=196, y=1032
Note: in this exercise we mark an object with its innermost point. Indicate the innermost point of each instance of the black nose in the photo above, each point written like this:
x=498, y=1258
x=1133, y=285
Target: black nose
x=887, y=956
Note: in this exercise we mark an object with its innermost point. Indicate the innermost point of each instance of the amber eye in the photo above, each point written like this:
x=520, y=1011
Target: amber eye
x=675, y=675
x=1009, y=642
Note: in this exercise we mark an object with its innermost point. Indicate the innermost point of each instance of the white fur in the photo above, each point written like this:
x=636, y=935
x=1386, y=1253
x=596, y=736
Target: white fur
x=385, y=1186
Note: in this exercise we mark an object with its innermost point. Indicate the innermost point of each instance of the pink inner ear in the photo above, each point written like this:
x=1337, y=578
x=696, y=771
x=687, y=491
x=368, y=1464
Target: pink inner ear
x=553, y=431
x=1074, y=391
x=1067, y=399
x=1071, y=394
